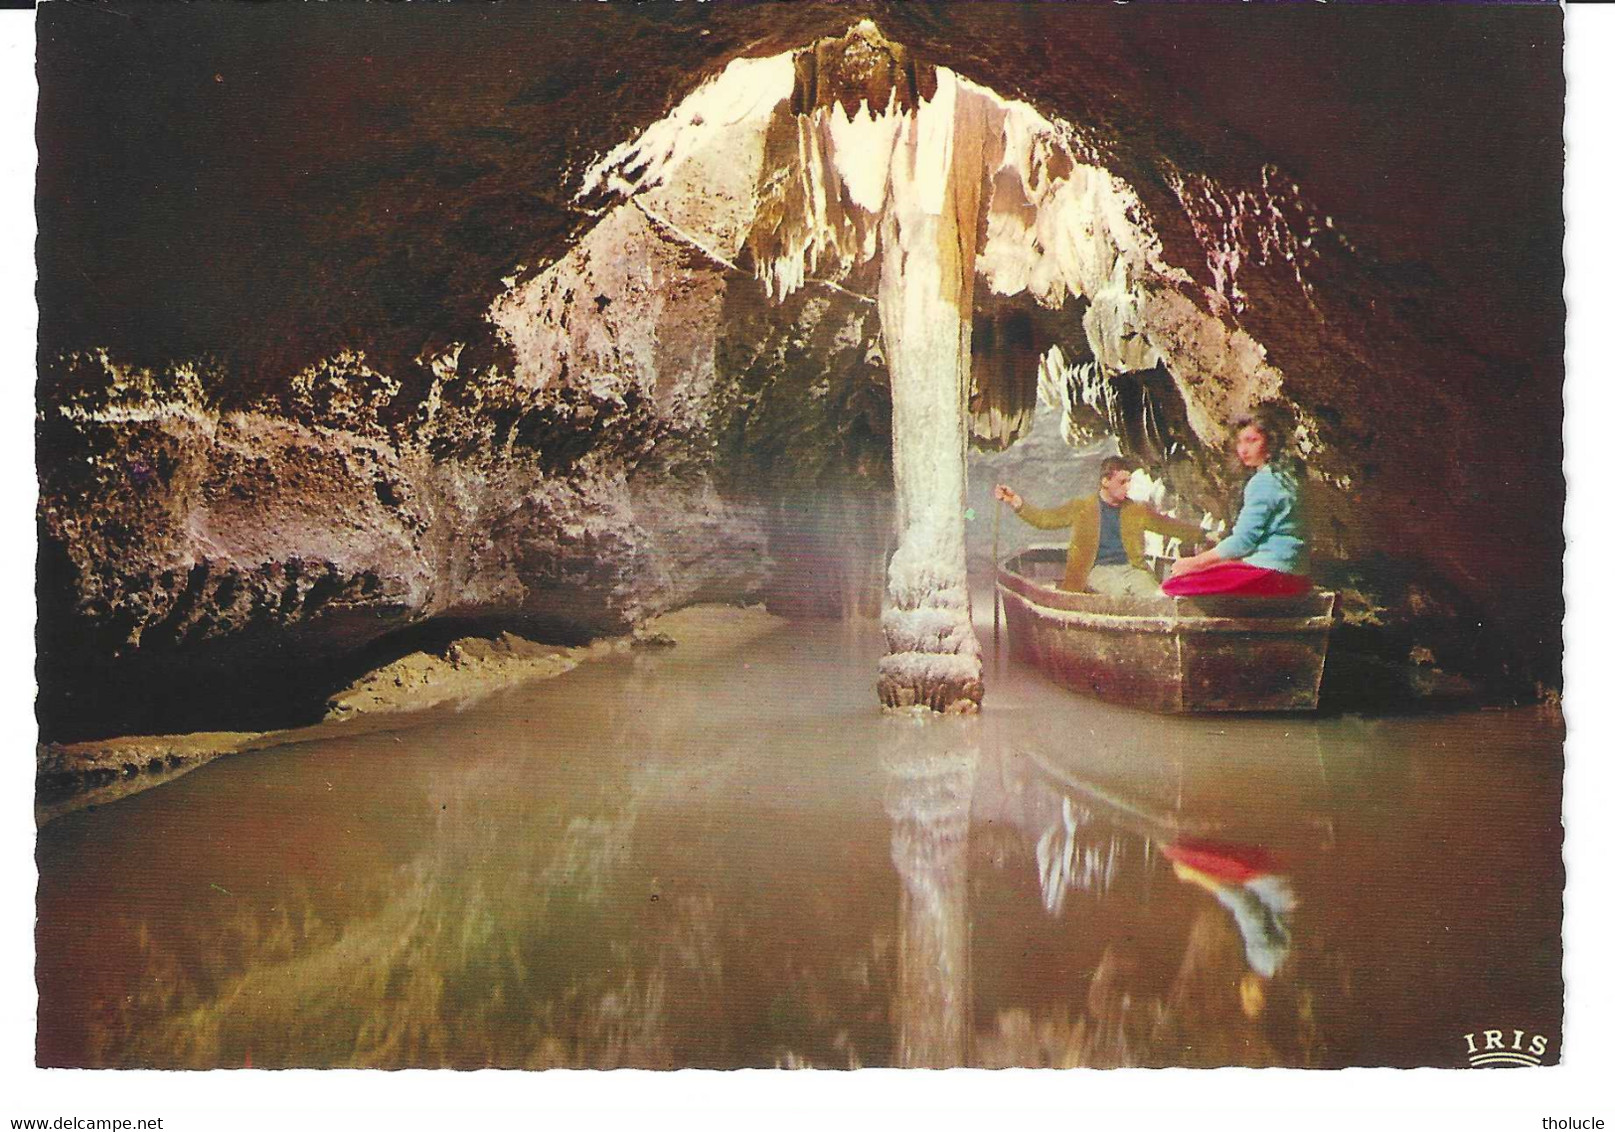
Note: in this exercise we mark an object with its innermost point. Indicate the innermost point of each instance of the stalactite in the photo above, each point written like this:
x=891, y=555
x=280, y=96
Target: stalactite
x=1003, y=377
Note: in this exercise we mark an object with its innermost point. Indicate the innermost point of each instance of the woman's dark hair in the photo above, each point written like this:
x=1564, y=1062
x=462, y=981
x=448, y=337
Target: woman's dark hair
x=1277, y=426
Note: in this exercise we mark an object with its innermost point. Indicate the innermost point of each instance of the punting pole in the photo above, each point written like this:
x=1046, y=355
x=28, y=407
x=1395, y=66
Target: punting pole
x=997, y=511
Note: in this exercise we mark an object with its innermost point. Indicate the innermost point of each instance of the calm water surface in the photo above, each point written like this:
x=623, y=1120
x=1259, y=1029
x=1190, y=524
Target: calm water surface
x=722, y=856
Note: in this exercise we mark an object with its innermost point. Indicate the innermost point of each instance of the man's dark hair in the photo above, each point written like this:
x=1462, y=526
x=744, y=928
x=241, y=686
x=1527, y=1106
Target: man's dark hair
x=1113, y=464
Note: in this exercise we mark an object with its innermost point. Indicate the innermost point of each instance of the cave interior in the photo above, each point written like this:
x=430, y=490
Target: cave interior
x=744, y=310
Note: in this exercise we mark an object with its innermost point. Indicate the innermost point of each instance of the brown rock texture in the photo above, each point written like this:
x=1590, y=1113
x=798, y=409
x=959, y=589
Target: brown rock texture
x=288, y=409
x=187, y=549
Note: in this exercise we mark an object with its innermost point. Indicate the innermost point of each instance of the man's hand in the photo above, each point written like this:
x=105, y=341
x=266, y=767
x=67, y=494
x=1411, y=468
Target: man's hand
x=1009, y=496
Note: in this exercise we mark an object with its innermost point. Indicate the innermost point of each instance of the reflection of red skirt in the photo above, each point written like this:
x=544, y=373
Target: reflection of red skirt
x=1237, y=578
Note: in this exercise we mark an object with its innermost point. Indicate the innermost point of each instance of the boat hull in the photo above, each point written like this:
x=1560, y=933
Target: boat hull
x=1202, y=654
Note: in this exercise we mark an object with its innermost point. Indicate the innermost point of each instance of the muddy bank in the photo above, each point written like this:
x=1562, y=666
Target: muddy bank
x=71, y=776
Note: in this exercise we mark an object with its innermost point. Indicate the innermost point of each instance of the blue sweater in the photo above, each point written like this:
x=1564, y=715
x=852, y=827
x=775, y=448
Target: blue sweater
x=1271, y=530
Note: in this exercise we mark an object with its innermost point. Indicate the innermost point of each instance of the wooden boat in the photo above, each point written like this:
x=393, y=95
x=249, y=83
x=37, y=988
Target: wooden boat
x=1166, y=654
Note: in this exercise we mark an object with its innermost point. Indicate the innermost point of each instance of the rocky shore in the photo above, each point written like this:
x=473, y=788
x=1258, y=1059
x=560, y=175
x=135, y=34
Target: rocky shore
x=70, y=776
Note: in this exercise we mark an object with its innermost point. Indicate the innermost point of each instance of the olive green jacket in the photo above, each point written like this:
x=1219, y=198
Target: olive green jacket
x=1082, y=516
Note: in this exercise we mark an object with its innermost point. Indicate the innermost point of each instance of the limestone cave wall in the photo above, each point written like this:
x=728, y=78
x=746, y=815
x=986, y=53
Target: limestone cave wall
x=343, y=335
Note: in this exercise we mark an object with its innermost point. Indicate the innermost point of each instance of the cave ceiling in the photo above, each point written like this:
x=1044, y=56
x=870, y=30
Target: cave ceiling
x=263, y=183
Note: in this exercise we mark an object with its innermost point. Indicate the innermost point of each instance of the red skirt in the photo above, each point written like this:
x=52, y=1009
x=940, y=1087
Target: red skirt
x=1237, y=578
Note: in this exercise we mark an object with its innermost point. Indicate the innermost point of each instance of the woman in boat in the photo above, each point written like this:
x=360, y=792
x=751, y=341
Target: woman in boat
x=1266, y=553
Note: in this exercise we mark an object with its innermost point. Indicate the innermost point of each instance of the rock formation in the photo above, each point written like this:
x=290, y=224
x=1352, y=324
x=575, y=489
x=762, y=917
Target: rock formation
x=574, y=349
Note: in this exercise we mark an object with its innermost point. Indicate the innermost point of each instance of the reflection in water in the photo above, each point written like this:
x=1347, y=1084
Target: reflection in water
x=1062, y=861
x=448, y=957
x=712, y=858
x=1243, y=880
x=931, y=768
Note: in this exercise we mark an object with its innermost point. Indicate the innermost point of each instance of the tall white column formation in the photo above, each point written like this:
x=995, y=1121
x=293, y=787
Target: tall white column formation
x=927, y=289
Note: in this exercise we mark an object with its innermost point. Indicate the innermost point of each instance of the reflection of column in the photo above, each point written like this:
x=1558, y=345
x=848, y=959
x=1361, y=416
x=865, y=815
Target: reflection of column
x=930, y=766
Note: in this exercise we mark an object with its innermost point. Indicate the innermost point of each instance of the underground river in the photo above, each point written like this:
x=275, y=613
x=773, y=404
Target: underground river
x=722, y=854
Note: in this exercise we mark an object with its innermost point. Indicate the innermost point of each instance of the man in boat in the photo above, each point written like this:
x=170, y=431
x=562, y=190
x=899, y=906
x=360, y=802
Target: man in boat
x=1107, y=533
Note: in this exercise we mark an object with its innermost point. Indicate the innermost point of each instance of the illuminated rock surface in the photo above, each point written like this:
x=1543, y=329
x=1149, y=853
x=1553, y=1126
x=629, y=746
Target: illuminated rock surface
x=591, y=341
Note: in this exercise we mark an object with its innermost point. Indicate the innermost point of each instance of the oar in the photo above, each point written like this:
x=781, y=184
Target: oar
x=997, y=511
